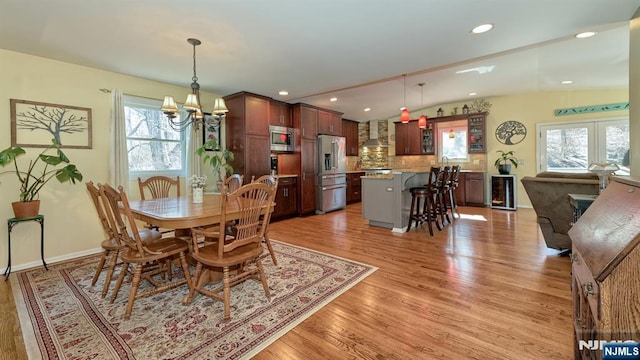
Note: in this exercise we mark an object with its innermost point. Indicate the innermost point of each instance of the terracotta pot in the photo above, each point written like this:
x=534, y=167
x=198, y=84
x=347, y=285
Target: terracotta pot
x=23, y=210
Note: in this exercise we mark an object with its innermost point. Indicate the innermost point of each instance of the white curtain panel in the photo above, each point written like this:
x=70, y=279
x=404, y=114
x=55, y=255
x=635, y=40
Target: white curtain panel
x=194, y=140
x=118, y=161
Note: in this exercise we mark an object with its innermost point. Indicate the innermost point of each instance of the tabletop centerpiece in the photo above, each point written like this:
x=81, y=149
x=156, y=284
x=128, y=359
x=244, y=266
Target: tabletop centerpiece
x=197, y=183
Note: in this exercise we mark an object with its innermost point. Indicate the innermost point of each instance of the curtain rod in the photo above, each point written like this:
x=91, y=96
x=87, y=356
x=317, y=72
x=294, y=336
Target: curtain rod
x=108, y=91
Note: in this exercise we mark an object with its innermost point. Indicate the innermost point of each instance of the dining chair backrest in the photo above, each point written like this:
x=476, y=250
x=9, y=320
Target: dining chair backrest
x=268, y=180
x=100, y=208
x=121, y=219
x=233, y=182
x=253, y=201
x=159, y=186
x=445, y=177
x=455, y=175
x=434, y=176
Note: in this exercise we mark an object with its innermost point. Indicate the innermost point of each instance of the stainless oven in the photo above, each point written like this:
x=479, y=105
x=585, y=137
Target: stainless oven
x=281, y=138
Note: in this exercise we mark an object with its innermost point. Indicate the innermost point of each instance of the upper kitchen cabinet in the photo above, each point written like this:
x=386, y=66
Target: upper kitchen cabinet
x=250, y=112
x=408, y=138
x=329, y=122
x=350, y=132
x=280, y=114
x=305, y=118
x=476, y=133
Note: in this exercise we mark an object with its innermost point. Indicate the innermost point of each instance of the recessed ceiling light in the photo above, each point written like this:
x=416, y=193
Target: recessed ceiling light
x=585, y=34
x=482, y=28
x=566, y=82
x=283, y=92
x=333, y=99
x=367, y=109
x=473, y=94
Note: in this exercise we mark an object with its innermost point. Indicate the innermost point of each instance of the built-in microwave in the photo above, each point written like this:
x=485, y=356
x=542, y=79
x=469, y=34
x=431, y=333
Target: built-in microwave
x=281, y=138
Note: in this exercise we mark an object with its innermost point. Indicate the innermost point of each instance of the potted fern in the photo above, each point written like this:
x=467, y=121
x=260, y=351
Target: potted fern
x=218, y=160
x=505, y=160
x=38, y=173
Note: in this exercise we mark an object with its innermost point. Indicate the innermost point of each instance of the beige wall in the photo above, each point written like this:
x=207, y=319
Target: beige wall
x=530, y=109
x=71, y=224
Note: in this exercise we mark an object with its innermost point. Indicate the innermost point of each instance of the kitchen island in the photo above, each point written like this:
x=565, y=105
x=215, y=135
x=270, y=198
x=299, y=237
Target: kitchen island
x=386, y=199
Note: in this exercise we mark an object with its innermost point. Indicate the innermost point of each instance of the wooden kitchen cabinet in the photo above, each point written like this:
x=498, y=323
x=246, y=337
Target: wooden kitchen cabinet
x=280, y=114
x=408, y=138
x=247, y=133
x=354, y=187
x=307, y=188
x=286, y=198
x=305, y=118
x=605, y=263
x=476, y=134
x=470, y=191
x=350, y=132
x=329, y=123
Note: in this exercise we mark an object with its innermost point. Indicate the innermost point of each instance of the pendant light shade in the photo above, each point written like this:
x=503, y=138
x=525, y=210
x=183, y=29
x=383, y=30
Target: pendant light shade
x=405, y=117
x=452, y=135
x=422, y=122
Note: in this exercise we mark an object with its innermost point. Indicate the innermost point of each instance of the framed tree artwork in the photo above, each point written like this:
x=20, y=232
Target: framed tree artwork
x=211, y=130
x=34, y=124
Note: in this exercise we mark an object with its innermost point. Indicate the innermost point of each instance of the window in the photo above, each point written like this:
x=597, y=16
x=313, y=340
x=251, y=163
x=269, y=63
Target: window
x=454, y=148
x=572, y=146
x=153, y=146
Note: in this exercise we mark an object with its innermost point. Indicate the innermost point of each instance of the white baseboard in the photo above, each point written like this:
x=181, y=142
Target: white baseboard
x=53, y=260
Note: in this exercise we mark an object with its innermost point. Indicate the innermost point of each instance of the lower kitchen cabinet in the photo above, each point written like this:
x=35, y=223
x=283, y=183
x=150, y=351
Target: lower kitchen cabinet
x=286, y=198
x=354, y=187
x=470, y=191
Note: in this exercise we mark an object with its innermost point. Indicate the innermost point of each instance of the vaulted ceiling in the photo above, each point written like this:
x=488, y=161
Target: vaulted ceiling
x=356, y=50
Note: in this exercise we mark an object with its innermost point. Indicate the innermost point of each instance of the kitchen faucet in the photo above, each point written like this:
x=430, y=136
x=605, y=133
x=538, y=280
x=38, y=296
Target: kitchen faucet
x=444, y=158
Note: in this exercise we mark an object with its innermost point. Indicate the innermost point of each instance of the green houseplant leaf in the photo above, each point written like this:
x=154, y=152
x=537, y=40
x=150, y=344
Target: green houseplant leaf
x=40, y=170
x=218, y=160
x=506, y=157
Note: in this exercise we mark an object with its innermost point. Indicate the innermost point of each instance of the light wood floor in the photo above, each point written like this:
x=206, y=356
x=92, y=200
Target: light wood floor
x=486, y=287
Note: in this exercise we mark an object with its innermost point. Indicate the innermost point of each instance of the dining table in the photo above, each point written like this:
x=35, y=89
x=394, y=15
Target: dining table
x=181, y=214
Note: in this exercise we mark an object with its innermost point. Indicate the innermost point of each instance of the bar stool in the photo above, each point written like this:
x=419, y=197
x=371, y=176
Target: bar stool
x=454, y=184
x=422, y=203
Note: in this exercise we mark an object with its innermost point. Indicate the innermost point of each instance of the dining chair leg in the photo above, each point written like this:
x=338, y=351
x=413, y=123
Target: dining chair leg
x=434, y=211
x=270, y=248
x=185, y=269
x=111, y=268
x=116, y=289
x=227, y=292
x=428, y=212
x=195, y=281
x=452, y=204
x=103, y=258
x=263, y=278
x=133, y=291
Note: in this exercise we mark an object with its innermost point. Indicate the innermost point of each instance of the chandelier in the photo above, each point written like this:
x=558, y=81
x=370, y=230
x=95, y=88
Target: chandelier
x=192, y=103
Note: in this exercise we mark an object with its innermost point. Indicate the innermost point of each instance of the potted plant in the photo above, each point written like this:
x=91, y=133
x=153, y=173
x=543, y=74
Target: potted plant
x=39, y=172
x=218, y=160
x=504, y=162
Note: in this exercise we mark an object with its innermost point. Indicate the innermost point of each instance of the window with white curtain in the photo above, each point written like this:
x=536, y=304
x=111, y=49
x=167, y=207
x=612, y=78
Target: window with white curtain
x=572, y=146
x=153, y=146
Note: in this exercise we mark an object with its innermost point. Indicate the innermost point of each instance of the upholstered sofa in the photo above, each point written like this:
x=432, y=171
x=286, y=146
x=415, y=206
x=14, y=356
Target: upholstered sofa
x=549, y=195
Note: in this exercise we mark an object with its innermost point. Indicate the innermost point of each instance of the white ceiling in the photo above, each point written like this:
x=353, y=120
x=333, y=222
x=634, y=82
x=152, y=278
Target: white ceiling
x=356, y=50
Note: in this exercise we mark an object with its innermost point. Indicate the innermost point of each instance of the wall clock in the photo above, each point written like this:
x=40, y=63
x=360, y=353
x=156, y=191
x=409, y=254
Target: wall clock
x=511, y=132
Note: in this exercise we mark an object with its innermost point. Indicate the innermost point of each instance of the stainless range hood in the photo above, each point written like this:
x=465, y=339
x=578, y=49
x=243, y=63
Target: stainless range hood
x=373, y=136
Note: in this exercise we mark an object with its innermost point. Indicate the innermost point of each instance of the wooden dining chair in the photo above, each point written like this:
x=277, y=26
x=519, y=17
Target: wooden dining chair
x=233, y=182
x=159, y=187
x=234, y=252
x=273, y=183
x=111, y=246
x=139, y=253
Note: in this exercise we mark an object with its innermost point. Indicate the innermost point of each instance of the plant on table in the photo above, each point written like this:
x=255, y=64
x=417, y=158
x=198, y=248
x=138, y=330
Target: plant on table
x=505, y=160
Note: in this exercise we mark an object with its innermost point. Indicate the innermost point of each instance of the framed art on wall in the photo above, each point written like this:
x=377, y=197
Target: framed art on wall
x=34, y=124
x=211, y=130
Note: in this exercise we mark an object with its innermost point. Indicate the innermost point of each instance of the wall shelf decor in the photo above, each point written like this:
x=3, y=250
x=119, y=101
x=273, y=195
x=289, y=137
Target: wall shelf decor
x=592, y=109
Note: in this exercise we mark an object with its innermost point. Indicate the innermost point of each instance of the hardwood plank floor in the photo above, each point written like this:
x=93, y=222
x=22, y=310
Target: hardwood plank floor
x=485, y=287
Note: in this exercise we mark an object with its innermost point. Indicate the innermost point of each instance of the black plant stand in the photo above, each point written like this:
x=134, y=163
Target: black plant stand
x=13, y=222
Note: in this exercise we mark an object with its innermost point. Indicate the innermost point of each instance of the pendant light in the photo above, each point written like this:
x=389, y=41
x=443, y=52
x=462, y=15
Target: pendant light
x=422, y=121
x=404, y=114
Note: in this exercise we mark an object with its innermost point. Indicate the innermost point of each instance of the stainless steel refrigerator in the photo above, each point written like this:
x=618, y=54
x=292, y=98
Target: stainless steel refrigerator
x=332, y=178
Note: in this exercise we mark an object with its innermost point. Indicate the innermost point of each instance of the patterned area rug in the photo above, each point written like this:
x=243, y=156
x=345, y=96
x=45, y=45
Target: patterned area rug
x=63, y=316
